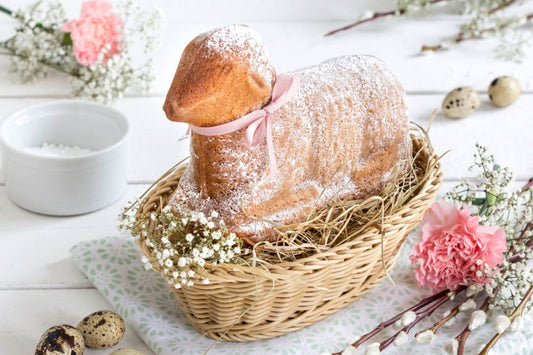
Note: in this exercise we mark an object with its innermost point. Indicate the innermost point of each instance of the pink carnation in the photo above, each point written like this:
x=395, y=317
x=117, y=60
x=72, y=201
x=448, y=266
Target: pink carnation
x=451, y=244
x=97, y=27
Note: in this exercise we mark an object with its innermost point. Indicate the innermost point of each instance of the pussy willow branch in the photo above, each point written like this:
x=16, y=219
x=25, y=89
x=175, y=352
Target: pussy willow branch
x=436, y=326
x=376, y=16
x=463, y=336
x=462, y=37
x=419, y=316
x=442, y=295
x=518, y=312
x=502, y=6
x=526, y=186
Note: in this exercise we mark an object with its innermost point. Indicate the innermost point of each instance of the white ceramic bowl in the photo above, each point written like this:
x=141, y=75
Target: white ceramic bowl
x=65, y=185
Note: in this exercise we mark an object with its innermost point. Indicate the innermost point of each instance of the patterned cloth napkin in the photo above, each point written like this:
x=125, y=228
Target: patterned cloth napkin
x=145, y=301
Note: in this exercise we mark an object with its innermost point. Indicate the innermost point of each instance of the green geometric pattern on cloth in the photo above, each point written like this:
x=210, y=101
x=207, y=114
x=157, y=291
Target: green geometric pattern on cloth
x=144, y=300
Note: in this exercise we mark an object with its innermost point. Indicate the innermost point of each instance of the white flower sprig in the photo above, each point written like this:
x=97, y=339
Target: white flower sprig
x=184, y=242
x=39, y=45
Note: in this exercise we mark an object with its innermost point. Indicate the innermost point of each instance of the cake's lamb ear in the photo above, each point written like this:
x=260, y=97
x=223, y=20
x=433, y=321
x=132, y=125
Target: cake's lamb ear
x=222, y=75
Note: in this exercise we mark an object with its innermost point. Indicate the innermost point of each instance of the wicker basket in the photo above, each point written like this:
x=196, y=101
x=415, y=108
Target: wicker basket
x=244, y=303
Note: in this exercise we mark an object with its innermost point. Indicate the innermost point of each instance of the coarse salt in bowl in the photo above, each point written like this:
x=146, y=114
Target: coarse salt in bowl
x=65, y=157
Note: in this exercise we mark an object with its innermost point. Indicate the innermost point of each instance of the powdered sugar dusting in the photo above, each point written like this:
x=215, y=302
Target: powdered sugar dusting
x=343, y=135
x=241, y=41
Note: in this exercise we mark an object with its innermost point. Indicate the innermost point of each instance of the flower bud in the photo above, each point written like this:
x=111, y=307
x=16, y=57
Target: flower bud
x=426, y=337
x=477, y=319
x=451, y=347
x=350, y=350
x=501, y=324
x=401, y=338
x=372, y=349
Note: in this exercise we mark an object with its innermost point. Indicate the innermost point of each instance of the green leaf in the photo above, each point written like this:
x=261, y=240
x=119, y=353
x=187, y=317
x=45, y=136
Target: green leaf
x=67, y=40
x=491, y=197
x=479, y=201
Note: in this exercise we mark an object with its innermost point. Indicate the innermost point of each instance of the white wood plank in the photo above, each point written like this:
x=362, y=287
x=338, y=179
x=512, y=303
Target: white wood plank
x=26, y=314
x=35, y=252
x=294, y=44
x=506, y=132
x=155, y=146
x=35, y=248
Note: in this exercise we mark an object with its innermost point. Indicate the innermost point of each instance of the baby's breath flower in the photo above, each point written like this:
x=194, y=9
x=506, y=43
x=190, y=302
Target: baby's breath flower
x=201, y=242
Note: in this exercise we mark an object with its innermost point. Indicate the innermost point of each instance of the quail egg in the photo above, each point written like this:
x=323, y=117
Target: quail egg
x=504, y=90
x=102, y=329
x=59, y=340
x=461, y=102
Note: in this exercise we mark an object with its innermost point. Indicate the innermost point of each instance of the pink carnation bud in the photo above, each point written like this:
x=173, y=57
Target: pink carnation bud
x=97, y=28
x=454, y=247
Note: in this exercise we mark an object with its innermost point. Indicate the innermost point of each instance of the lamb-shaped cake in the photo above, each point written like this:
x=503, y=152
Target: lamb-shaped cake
x=343, y=134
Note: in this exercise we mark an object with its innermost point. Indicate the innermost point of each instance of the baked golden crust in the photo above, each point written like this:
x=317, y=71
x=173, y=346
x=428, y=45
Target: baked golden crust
x=213, y=86
x=345, y=134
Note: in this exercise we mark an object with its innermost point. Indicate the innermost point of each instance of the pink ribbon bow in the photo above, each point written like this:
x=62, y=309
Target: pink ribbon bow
x=258, y=123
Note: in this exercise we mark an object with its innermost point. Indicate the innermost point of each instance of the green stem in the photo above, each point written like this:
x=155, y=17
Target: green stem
x=6, y=11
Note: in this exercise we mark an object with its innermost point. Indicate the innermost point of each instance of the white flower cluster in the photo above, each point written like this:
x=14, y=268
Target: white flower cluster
x=108, y=80
x=185, y=242
x=509, y=286
x=39, y=45
x=38, y=40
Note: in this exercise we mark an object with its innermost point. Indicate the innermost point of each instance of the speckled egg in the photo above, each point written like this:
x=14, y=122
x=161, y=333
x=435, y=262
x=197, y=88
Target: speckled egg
x=126, y=351
x=61, y=339
x=102, y=329
x=504, y=90
x=461, y=102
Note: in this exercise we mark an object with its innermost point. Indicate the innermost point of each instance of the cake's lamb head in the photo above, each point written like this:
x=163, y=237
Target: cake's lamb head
x=222, y=75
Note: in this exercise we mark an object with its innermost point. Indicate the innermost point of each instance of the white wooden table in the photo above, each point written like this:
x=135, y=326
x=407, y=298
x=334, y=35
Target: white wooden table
x=39, y=284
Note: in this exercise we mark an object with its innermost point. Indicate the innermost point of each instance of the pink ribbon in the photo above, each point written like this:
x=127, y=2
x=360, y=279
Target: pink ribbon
x=258, y=123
